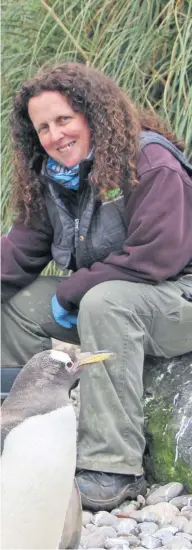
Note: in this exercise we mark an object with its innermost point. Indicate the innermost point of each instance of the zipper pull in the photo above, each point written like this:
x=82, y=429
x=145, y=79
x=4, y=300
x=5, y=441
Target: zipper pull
x=76, y=231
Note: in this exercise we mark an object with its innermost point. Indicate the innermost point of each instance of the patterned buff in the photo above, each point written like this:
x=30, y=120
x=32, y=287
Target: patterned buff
x=69, y=177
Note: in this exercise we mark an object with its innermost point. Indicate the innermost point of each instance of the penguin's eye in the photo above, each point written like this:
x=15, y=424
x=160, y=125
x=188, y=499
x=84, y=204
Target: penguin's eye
x=69, y=364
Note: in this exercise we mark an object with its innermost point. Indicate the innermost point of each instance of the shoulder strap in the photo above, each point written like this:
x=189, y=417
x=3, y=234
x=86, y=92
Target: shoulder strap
x=147, y=137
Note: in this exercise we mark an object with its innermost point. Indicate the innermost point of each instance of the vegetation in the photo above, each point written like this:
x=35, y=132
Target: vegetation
x=144, y=45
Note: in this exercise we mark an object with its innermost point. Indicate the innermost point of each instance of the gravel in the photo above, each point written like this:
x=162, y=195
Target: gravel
x=168, y=528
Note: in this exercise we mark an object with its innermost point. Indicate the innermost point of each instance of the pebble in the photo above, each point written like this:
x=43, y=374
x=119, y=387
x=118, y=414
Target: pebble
x=182, y=500
x=178, y=543
x=188, y=528
x=179, y=522
x=162, y=512
x=133, y=505
x=104, y=518
x=86, y=517
x=187, y=536
x=141, y=500
x=165, y=534
x=93, y=540
x=126, y=527
x=147, y=515
x=165, y=493
x=150, y=542
x=131, y=539
x=148, y=528
x=187, y=512
x=90, y=527
x=116, y=543
x=106, y=529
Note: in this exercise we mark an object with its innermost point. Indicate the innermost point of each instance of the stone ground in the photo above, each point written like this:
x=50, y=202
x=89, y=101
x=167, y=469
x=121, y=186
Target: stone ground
x=162, y=520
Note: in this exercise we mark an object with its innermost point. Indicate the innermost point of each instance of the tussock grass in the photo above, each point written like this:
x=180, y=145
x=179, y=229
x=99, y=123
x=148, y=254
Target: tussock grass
x=144, y=45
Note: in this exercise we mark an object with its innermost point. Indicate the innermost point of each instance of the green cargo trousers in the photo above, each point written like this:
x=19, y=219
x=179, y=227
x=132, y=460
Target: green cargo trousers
x=130, y=319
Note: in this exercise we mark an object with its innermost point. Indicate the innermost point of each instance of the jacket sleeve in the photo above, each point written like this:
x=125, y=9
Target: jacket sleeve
x=158, y=243
x=25, y=251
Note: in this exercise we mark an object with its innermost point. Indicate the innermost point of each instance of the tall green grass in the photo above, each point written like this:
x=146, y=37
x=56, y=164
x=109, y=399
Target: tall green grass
x=145, y=45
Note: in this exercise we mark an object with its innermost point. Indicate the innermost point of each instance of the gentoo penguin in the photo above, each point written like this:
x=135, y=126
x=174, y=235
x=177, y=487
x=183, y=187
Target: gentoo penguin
x=40, y=501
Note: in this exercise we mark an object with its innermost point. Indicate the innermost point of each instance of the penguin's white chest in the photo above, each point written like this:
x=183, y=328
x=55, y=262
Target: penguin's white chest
x=38, y=467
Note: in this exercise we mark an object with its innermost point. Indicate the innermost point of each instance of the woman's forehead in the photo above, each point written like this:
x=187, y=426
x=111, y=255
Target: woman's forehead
x=48, y=104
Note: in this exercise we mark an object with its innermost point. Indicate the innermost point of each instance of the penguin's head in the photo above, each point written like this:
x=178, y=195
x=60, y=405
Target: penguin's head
x=44, y=384
x=68, y=365
x=56, y=369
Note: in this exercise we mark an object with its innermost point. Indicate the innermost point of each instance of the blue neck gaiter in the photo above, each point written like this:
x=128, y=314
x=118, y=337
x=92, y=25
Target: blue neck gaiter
x=68, y=177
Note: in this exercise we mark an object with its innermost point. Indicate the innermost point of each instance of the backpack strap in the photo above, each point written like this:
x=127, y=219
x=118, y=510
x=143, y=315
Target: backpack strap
x=146, y=137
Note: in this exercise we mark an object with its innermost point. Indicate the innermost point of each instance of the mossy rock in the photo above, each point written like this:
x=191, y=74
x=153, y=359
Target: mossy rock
x=168, y=419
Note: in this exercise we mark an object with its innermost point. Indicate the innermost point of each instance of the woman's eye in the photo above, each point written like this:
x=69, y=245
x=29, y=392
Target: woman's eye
x=42, y=129
x=65, y=118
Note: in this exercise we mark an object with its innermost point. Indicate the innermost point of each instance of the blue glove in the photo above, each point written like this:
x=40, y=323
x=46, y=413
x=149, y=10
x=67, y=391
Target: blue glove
x=61, y=315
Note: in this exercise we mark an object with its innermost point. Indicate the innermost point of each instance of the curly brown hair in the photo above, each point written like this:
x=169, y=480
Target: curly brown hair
x=114, y=120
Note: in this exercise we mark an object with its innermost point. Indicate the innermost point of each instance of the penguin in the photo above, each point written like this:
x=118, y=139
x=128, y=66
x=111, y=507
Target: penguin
x=41, y=506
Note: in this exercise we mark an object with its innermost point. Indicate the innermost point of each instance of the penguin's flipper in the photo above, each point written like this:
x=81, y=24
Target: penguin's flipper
x=73, y=521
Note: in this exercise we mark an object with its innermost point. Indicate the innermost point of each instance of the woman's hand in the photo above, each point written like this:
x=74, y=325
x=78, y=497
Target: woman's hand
x=61, y=315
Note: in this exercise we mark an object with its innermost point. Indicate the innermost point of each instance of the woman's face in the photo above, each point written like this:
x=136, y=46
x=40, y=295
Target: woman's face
x=63, y=132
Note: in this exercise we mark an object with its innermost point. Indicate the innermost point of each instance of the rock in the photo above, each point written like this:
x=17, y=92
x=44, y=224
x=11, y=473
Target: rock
x=182, y=500
x=91, y=528
x=131, y=539
x=133, y=505
x=163, y=512
x=143, y=515
x=168, y=419
x=104, y=518
x=165, y=493
x=178, y=543
x=86, y=517
x=148, y=528
x=187, y=512
x=188, y=528
x=141, y=501
x=150, y=542
x=179, y=522
x=126, y=526
x=186, y=536
x=92, y=540
x=165, y=534
x=116, y=543
x=108, y=531
x=83, y=531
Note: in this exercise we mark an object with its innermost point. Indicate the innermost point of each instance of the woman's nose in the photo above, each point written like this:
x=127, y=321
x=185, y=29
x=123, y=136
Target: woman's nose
x=55, y=133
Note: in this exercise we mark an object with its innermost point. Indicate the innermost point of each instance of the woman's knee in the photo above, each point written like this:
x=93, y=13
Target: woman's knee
x=95, y=300
x=116, y=294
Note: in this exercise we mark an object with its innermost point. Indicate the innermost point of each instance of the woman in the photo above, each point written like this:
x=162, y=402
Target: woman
x=112, y=204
